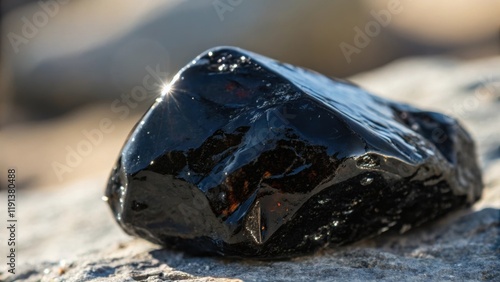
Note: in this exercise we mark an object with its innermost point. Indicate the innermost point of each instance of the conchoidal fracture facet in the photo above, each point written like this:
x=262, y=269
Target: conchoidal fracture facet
x=245, y=156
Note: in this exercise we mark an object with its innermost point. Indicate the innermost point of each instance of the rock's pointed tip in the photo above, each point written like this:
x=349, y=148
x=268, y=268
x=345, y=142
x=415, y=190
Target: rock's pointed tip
x=230, y=50
x=225, y=48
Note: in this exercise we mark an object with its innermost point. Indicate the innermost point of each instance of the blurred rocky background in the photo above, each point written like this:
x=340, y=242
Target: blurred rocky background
x=76, y=75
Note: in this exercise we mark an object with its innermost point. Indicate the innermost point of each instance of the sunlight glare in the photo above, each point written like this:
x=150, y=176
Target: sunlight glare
x=166, y=89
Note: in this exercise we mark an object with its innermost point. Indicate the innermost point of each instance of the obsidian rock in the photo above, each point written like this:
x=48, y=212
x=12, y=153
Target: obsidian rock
x=245, y=156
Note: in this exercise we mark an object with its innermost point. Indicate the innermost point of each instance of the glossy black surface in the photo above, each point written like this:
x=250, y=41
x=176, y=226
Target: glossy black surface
x=248, y=157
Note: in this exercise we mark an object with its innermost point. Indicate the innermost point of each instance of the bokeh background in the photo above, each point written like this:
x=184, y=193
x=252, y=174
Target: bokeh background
x=68, y=65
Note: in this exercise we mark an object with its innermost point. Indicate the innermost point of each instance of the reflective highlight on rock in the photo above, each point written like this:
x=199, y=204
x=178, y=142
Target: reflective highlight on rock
x=245, y=156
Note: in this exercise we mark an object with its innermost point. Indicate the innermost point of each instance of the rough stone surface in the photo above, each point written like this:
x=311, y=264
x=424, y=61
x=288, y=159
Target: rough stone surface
x=464, y=245
x=245, y=156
